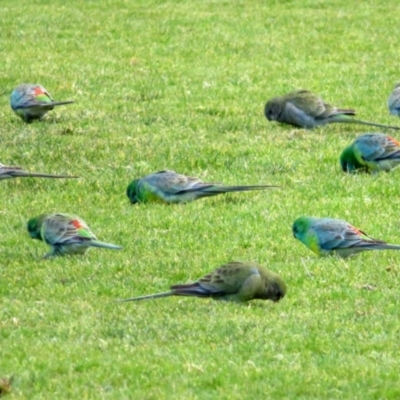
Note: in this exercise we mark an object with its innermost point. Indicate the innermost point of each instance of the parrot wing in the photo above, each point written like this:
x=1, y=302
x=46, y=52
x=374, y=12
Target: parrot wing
x=343, y=235
x=314, y=106
x=42, y=95
x=333, y=234
x=226, y=279
x=306, y=101
x=174, y=183
x=377, y=147
x=65, y=229
x=391, y=148
x=35, y=95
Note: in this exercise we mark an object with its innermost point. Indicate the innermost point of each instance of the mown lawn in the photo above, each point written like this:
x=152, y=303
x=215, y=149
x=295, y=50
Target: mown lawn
x=181, y=85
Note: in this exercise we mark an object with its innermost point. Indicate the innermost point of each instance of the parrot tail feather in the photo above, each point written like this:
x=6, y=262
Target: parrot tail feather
x=96, y=243
x=387, y=246
x=149, y=296
x=225, y=189
x=376, y=245
x=213, y=190
x=55, y=103
x=23, y=174
x=358, y=121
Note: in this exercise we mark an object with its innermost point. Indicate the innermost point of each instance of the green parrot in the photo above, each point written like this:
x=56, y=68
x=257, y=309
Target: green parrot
x=32, y=101
x=327, y=236
x=235, y=281
x=7, y=172
x=306, y=110
x=66, y=234
x=171, y=187
x=394, y=101
x=372, y=152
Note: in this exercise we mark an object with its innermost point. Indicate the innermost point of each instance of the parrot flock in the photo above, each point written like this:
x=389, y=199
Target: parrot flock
x=68, y=235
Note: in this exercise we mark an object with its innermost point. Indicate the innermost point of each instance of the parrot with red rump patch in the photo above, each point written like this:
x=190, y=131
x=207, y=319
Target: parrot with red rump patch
x=31, y=101
x=66, y=234
x=327, y=236
x=373, y=152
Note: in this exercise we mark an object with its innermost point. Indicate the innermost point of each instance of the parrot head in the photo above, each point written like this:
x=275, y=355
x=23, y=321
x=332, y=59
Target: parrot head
x=273, y=109
x=301, y=227
x=131, y=191
x=348, y=160
x=35, y=226
x=276, y=289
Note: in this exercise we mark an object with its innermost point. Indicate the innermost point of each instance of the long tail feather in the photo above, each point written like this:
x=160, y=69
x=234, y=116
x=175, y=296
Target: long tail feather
x=54, y=103
x=224, y=189
x=23, y=174
x=209, y=191
x=149, y=296
x=96, y=243
x=385, y=246
x=358, y=121
x=374, y=245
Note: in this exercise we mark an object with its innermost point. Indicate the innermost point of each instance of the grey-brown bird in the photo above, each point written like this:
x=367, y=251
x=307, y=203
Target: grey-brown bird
x=235, y=281
x=307, y=110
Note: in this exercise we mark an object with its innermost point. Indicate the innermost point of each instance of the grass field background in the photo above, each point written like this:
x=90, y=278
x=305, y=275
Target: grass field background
x=181, y=85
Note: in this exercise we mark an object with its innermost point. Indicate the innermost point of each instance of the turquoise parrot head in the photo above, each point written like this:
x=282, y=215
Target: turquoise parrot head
x=302, y=231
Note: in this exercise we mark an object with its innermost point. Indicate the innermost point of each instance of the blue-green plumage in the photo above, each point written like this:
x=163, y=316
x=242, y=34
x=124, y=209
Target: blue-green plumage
x=32, y=101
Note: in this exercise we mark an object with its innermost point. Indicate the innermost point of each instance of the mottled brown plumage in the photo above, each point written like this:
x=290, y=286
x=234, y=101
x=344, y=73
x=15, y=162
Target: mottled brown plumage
x=235, y=281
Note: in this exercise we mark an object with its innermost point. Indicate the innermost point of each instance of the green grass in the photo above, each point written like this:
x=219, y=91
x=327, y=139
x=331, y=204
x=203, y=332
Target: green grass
x=182, y=85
